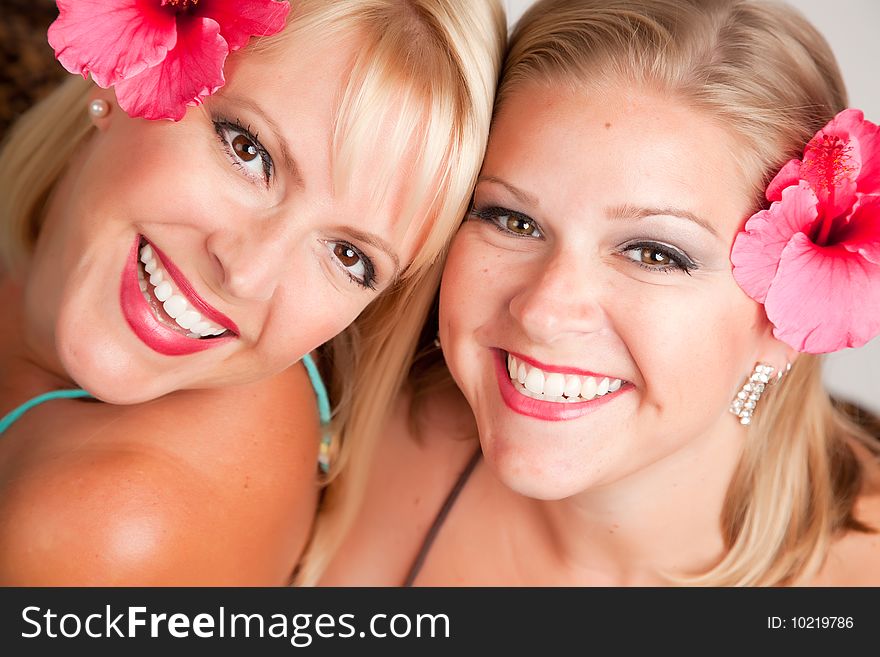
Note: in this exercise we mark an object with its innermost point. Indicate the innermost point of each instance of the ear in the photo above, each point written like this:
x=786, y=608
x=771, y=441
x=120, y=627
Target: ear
x=102, y=107
x=775, y=352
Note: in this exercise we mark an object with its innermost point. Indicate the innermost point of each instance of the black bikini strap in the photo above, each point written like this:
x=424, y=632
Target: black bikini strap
x=441, y=518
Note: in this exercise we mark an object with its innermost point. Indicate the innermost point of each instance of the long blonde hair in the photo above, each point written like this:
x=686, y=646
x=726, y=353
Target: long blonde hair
x=370, y=359
x=768, y=76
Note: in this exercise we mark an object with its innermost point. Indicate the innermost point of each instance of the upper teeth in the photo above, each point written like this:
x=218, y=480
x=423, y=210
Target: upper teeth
x=554, y=386
x=174, y=303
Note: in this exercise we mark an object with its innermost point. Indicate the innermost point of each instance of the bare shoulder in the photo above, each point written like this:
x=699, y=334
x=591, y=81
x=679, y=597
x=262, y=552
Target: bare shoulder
x=411, y=475
x=854, y=559
x=199, y=487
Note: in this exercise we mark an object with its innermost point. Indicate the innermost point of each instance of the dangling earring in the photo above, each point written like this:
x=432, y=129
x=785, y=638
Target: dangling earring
x=437, y=340
x=747, y=398
x=98, y=108
x=325, y=450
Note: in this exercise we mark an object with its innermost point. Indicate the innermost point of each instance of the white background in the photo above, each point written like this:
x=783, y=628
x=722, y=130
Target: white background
x=851, y=28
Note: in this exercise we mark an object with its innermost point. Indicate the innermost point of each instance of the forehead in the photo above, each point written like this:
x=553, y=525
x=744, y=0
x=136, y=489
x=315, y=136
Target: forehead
x=616, y=146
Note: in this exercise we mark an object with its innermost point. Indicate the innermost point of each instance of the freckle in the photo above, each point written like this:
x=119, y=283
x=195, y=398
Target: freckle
x=486, y=270
x=247, y=482
x=607, y=125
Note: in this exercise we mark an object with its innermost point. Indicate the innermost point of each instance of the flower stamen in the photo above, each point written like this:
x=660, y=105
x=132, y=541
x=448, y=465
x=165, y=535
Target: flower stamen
x=830, y=161
x=180, y=5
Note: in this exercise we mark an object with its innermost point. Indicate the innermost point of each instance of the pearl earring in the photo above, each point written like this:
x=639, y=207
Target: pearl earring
x=99, y=108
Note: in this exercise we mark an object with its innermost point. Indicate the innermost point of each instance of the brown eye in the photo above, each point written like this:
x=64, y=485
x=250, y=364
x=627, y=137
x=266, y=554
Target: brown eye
x=346, y=255
x=357, y=265
x=244, y=148
x=651, y=256
x=519, y=225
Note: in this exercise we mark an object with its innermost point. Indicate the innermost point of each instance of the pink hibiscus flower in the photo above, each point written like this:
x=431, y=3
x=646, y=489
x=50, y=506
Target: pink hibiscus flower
x=160, y=55
x=813, y=257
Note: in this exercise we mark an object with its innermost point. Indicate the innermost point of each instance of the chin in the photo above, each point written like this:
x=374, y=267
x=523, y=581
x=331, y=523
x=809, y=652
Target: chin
x=534, y=471
x=109, y=373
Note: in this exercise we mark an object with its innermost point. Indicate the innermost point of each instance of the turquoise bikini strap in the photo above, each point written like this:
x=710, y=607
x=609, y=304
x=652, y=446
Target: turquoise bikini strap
x=323, y=411
x=320, y=389
x=14, y=414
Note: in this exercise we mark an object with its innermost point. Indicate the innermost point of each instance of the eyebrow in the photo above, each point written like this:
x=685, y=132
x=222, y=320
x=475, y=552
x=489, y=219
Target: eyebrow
x=286, y=155
x=377, y=242
x=521, y=196
x=627, y=211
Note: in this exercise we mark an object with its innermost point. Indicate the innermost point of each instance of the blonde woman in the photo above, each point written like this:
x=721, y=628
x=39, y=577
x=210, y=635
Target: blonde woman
x=674, y=217
x=162, y=279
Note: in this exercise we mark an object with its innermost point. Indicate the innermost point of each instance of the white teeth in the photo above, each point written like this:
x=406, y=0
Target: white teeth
x=535, y=381
x=175, y=304
x=589, y=387
x=188, y=319
x=555, y=386
x=572, y=386
x=202, y=328
x=163, y=291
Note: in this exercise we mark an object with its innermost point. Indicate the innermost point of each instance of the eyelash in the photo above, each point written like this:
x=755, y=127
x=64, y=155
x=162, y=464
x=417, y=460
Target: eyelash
x=223, y=126
x=369, y=280
x=681, y=262
x=493, y=214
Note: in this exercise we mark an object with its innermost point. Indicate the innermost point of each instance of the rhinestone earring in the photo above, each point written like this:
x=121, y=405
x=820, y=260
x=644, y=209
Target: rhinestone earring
x=747, y=398
x=99, y=108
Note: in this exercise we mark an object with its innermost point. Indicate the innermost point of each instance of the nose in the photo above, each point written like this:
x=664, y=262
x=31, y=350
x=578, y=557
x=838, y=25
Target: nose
x=251, y=257
x=561, y=296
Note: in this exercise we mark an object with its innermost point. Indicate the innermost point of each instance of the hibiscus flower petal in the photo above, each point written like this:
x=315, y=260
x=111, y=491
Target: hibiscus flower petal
x=787, y=176
x=756, y=250
x=823, y=299
x=111, y=39
x=862, y=235
x=865, y=137
x=241, y=19
x=844, y=154
x=193, y=70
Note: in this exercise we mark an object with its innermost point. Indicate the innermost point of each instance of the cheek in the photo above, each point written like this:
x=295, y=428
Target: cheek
x=309, y=321
x=472, y=287
x=167, y=172
x=678, y=337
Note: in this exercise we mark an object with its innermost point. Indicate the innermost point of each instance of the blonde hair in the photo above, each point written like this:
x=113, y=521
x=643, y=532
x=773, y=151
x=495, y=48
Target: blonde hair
x=770, y=78
x=34, y=156
x=429, y=68
x=464, y=40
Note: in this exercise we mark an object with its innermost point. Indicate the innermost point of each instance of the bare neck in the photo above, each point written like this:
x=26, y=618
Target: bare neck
x=659, y=523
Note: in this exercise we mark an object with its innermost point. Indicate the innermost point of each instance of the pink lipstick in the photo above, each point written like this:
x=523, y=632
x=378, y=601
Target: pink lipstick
x=141, y=317
x=545, y=410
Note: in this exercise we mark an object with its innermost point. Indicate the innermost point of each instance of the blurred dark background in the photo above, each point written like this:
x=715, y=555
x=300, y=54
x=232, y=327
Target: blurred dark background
x=28, y=70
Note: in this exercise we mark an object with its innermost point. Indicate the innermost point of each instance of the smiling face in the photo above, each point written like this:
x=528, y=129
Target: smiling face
x=250, y=255
x=588, y=311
